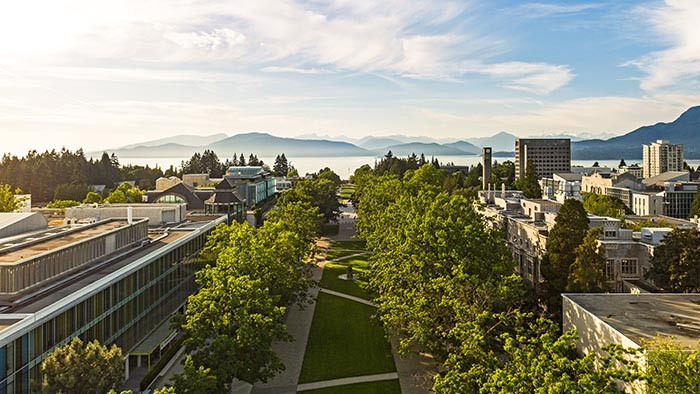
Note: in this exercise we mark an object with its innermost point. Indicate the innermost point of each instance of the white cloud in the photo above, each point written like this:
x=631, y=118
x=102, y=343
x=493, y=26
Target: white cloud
x=531, y=77
x=676, y=22
x=543, y=10
x=419, y=39
x=297, y=70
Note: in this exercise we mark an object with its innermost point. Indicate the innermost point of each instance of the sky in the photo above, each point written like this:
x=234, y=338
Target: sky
x=95, y=74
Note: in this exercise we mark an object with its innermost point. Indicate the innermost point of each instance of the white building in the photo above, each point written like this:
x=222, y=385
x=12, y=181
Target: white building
x=661, y=156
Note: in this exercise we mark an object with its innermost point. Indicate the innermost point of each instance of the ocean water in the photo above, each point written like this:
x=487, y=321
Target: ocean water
x=345, y=166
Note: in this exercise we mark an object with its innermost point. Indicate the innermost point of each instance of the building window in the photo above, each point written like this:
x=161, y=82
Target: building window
x=610, y=234
x=628, y=267
x=610, y=269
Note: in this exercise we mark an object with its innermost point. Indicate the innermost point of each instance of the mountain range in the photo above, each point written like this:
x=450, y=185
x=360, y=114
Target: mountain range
x=684, y=130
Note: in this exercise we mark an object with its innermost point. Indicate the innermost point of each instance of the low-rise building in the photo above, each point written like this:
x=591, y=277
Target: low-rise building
x=561, y=187
x=599, y=182
x=631, y=319
x=111, y=281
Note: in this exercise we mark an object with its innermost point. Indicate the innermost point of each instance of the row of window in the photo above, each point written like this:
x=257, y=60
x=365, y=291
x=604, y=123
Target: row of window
x=123, y=314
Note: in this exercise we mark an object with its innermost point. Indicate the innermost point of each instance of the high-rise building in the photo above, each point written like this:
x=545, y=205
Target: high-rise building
x=486, y=165
x=548, y=155
x=661, y=156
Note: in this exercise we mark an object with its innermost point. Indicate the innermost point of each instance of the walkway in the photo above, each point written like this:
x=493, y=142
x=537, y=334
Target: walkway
x=349, y=297
x=292, y=353
x=344, y=381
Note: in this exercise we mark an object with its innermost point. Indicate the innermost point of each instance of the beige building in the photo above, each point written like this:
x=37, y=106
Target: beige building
x=631, y=319
x=164, y=183
x=661, y=156
x=548, y=155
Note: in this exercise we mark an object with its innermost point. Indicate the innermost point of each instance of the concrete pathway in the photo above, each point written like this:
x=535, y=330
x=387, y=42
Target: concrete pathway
x=349, y=297
x=292, y=353
x=344, y=381
x=358, y=254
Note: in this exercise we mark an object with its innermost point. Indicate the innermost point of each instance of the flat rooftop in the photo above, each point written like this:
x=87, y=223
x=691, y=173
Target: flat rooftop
x=46, y=295
x=15, y=252
x=642, y=317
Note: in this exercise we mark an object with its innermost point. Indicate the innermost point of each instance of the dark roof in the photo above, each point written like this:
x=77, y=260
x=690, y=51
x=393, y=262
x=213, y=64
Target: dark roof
x=188, y=193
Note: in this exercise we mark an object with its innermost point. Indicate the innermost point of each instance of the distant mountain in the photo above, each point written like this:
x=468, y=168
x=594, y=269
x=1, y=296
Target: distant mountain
x=156, y=152
x=684, y=130
x=465, y=146
x=263, y=144
x=183, y=139
x=375, y=143
x=503, y=142
x=428, y=149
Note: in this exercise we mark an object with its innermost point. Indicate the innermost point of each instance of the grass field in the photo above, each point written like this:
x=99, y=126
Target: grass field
x=331, y=281
x=383, y=387
x=344, y=341
x=348, y=245
x=346, y=191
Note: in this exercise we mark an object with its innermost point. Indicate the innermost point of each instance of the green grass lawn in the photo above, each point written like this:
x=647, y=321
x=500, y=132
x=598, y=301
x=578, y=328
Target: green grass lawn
x=382, y=387
x=330, y=280
x=344, y=341
x=352, y=245
x=346, y=191
x=338, y=253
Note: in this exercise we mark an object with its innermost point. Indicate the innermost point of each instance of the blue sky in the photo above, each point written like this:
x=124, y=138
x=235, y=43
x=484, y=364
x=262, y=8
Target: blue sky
x=96, y=74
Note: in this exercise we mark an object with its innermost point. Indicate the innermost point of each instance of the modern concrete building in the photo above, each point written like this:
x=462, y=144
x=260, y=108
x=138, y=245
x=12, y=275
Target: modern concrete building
x=631, y=319
x=661, y=156
x=111, y=281
x=253, y=183
x=486, y=167
x=548, y=155
x=157, y=214
x=647, y=203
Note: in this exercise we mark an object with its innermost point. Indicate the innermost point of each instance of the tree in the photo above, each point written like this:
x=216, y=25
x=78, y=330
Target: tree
x=231, y=324
x=320, y=193
x=72, y=191
x=328, y=174
x=8, y=201
x=604, y=205
x=78, y=368
x=676, y=263
x=695, y=208
x=241, y=160
x=281, y=166
x=292, y=172
x=671, y=369
x=194, y=380
x=596, y=164
x=587, y=273
x=570, y=228
x=92, y=198
x=539, y=360
x=125, y=193
x=622, y=164
x=529, y=184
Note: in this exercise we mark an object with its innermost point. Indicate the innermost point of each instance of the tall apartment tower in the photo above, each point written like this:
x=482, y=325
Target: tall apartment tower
x=486, y=165
x=548, y=155
x=661, y=156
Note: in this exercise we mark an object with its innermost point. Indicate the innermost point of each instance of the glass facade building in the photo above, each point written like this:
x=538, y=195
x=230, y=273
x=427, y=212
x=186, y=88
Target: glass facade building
x=120, y=307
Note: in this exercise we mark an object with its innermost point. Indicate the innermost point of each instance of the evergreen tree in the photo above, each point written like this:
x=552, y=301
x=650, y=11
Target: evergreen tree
x=622, y=164
x=676, y=263
x=281, y=166
x=587, y=273
x=241, y=160
x=529, y=184
x=570, y=228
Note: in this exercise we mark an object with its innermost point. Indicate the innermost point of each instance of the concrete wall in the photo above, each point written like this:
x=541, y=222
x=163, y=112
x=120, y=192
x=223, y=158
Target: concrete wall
x=24, y=223
x=157, y=214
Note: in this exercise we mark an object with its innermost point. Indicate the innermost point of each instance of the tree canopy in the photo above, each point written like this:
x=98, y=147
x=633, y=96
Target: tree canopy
x=604, y=205
x=251, y=276
x=125, y=193
x=570, y=228
x=529, y=184
x=82, y=368
x=676, y=263
x=8, y=201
